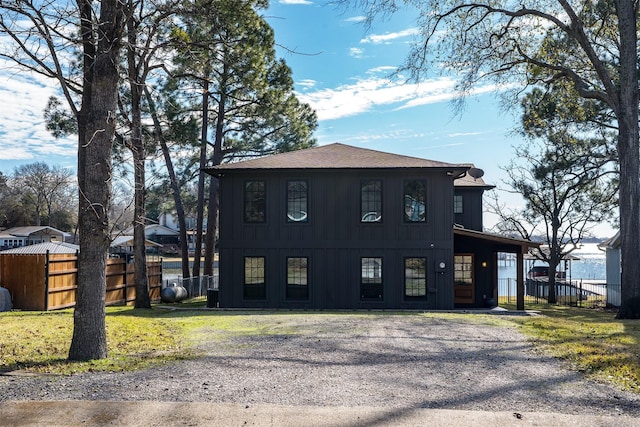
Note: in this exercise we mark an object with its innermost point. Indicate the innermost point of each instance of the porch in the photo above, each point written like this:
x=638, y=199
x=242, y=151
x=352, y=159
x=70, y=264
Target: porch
x=476, y=267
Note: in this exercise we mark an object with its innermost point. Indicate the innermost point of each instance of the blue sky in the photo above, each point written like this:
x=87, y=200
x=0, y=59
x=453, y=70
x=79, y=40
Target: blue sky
x=341, y=68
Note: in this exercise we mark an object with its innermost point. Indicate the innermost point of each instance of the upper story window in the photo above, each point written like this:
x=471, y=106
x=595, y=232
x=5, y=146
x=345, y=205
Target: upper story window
x=297, y=200
x=458, y=206
x=255, y=201
x=371, y=201
x=415, y=201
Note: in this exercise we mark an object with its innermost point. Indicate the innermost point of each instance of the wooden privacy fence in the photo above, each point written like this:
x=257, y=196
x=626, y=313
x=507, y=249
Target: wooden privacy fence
x=48, y=281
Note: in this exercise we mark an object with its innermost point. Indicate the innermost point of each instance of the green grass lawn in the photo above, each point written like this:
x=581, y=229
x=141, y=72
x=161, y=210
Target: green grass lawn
x=593, y=341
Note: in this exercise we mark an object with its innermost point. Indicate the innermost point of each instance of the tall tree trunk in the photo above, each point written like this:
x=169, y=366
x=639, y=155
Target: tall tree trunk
x=552, y=297
x=212, y=213
x=201, y=176
x=38, y=218
x=96, y=129
x=629, y=155
x=212, y=220
x=177, y=199
x=139, y=239
x=554, y=246
x=137, y=147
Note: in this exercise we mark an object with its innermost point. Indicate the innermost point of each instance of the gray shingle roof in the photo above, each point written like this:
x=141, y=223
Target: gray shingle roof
x=334, y=156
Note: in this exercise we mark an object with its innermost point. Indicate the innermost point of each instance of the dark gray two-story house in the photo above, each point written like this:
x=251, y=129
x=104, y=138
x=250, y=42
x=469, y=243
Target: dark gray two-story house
x=340, y=227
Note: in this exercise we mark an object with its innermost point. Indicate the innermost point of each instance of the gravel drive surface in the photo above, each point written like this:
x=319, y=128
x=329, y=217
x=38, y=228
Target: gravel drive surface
x=375, y=360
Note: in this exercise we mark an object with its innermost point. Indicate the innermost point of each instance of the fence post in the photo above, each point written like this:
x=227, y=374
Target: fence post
x=46, y=281
x=580, y=294
x=125, y=273
x=520, y=279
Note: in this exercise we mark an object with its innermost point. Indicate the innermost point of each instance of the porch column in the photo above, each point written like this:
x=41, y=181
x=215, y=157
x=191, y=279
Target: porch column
x=520, y=280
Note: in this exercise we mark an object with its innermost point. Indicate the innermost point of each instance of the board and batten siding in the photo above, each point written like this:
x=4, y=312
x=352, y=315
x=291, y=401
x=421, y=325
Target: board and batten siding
x=334, y=239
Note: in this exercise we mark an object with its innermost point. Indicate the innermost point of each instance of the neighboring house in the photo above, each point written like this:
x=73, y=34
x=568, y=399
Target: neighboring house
x=24, y=236
x=171, y=221
x=613, y=261
x=122, y=246
x=158, y=234
x=167, y=239
x=344, y=227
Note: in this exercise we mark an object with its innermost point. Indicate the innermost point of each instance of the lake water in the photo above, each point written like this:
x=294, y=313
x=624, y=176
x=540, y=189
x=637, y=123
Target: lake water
x=591, y=264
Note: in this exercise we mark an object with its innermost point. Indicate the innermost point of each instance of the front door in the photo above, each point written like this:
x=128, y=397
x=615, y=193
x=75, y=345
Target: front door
x=463, y=286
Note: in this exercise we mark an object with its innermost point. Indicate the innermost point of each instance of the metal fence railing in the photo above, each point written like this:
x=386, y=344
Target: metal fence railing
x=574, y=293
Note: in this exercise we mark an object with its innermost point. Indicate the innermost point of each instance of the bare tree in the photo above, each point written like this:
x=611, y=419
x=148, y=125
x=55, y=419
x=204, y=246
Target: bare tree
x=145, y=36
x=568, y=186
x=44, y=35
x=41, y=185
x=590, y=45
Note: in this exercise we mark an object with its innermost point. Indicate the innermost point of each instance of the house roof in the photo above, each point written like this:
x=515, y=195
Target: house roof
x=128, y=241
x=612, y=242
x=42, y=248
x=29, y=230
x=334, y=156
x=158, y=229
x=68, y=248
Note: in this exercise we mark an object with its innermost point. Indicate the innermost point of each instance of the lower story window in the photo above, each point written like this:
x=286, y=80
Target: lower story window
x=297, y=278
x=254, y=278
x=371, y=278
x=463, y=270
x=415, y=278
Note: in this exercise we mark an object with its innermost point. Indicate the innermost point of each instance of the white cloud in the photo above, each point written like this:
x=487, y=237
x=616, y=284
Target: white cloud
x=295, y=2
x=395, y=134
x=356, y=52
x=14, y=153
x=383, y=69
x=356, y=19
x=464, y=134
x=307, y=84
x=23, y=134
x=386, y=38
x=432, y=97
x=366, y=94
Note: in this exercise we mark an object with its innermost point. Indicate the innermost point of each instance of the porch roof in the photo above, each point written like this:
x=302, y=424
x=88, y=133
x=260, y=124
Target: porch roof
x=495, y=238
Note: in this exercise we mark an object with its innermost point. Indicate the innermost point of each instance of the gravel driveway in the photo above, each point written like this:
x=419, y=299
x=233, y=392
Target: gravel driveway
x=376, y=360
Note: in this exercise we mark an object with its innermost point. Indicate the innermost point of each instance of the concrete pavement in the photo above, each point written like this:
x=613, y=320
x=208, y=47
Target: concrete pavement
x=139, y=414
